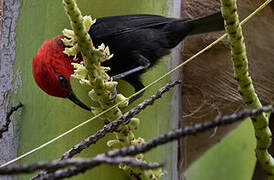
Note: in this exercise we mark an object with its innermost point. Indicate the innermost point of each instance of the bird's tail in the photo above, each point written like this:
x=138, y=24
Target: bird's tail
x=214, y=22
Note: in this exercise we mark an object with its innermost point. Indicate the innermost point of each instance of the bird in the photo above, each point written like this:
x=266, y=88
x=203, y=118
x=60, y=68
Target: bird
x=137, y=41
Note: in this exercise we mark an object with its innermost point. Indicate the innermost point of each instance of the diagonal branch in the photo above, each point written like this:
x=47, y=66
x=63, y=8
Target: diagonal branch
x=112, y=126
x=81, y=163
x=170, y=136
x=187, y=131
x=5, y=127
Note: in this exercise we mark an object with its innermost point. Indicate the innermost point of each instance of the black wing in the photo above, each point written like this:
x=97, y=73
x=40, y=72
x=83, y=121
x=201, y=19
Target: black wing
x=116, y=25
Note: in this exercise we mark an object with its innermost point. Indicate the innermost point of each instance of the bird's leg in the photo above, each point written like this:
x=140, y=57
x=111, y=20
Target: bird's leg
x=131, y=77
x=143, y=62
x=138, y=85
x=129, y=72
x=114, y=94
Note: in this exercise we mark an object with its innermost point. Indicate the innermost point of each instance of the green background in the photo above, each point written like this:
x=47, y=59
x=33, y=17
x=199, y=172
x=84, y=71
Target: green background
x=232, y=158
x=45, y=117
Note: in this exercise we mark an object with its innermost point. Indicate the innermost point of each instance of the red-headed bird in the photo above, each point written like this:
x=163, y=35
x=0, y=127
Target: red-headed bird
x=137, y=42
x=52, y=69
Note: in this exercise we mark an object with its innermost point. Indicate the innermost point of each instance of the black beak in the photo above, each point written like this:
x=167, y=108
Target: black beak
x=74, y=99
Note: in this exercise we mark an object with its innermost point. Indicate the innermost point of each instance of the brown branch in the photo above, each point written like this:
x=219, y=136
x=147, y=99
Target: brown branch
x=72, y=171
x=187, y=131
x=172, y=135
x=116, y=156
x=81, y=163
x=5, y=127
x=114, y=124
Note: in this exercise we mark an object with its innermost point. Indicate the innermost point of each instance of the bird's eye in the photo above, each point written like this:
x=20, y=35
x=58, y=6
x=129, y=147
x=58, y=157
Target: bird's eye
x=63, y=81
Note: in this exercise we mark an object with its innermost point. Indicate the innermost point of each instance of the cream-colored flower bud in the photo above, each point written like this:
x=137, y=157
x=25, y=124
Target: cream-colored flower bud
x=68, y=42
x=123, y=166
x=81, y=73
x=110, y=56
x=114, y=143
x=68, y=33
x=102, y=47
x=123, y=99
x=88, y=22
x=106, y=50
x=106, y=69
x=85, y=82
x=159, y=173
x=72, y=51
x=134, y=123
x=138, y=141
x=80, y=70
x=111, y=85
x=140, y=157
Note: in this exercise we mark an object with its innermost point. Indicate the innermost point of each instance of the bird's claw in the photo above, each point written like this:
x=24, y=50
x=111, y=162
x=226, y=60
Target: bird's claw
x=114, y=94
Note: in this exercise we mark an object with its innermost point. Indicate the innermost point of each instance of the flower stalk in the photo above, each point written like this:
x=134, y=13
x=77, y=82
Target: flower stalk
x=245, y=86
x=103, y=88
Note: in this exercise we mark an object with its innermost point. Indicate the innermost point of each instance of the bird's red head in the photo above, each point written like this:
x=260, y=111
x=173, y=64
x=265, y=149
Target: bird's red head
x=49, y=63
x=52, y=69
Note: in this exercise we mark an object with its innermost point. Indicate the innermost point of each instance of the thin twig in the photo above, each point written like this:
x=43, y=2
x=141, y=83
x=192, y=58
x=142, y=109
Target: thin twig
x=81, y=163
x=5, y=127
x=172, y=135
x=186, y=131
x=112, y=126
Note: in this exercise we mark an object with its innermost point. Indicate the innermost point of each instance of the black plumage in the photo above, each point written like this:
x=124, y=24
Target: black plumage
x=139, y=41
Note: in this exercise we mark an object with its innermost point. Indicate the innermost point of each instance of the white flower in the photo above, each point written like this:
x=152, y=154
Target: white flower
x=80, y=73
